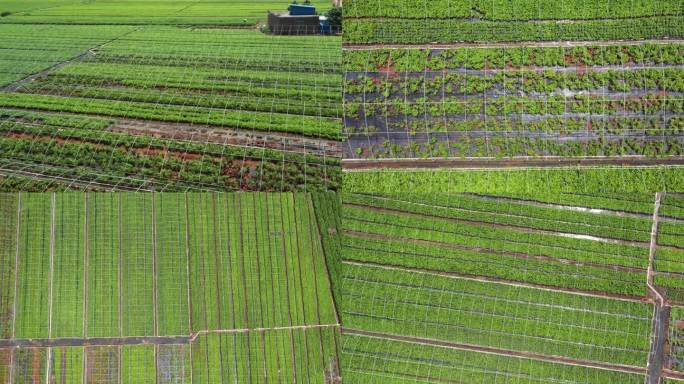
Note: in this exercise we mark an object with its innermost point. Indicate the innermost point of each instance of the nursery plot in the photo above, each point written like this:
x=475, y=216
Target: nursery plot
x=545, y=284
x=373, y=360
x=405, y=21
x=494, y=315
x=241, y=13
x=170, y=108
x=669, y=247
x=509, y=102
x=500, y=238
x=518, y=180
x=135, y=288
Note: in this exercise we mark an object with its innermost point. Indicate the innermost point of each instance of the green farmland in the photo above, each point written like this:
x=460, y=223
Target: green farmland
x=165, y=96
x=238, y=13
x=171, y=288
x=512, y=285
x=407, y=21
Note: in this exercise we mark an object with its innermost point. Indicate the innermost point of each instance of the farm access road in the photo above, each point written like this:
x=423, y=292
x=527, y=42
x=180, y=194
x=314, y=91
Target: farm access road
x=136, y=340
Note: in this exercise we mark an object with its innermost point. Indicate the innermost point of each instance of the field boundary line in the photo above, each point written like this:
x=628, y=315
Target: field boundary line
x=109, y=341
x=497, y=351
x=531, y=44
x=482, y=279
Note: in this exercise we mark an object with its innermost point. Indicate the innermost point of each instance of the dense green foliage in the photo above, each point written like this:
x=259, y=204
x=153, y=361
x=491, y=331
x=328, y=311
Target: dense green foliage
x=372, y=360
x=518, y=180
x=237, y=13
x=500, y=316
x=412, y=31
x=171, y=265
x=521, y=101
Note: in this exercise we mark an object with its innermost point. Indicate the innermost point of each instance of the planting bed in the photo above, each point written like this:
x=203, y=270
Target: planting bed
x=406, y=21
x=236, y=13
x=530, y=286
x=614, y=100
x=141, y=288
x=169, y=108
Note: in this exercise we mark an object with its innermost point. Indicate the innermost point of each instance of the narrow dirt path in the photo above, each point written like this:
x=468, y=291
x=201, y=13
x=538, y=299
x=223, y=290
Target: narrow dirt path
x=494, y=164
x=53, y=208
x=497, y=351
x=652, y=250
x=656, y=357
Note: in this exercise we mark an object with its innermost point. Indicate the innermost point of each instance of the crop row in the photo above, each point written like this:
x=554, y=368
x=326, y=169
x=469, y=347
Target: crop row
x=543, y=259
x=511, y=10
x=500, y=147
x=373, y=360
x=647, y=104
x=475, y=209
x=416, y=31
x=410, y=126
x=129, y=252
x=310, y=126
x=626, y=179
x=416, y=85
x=512, y=58
x=116, y=156
x=501, y=316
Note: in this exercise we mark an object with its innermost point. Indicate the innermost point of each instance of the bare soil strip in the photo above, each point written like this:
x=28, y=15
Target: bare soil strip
x=491, y=163
x=505, y=226
x=540, y=44
x=453, y=275
x=498, y=351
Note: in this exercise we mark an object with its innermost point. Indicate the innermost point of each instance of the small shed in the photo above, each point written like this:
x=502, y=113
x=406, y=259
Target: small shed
x=299, y=20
